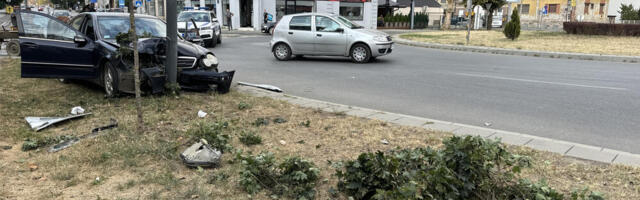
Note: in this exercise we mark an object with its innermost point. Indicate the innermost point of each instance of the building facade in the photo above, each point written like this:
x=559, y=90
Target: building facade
x=532, y=12
x=250, y=13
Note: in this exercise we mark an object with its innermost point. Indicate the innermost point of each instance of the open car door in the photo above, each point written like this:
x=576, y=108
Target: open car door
x=51, y=48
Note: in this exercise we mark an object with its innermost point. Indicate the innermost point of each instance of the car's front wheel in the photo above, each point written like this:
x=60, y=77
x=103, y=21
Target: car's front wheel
x=282, y=52
x=360, y=53
x=110, y=81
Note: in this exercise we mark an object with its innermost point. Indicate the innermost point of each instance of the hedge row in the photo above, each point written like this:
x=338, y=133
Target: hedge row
x=592, y=28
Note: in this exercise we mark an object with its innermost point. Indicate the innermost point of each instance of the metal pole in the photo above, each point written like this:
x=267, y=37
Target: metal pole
x=413, y=3
x=468, y=20
x=172, y=34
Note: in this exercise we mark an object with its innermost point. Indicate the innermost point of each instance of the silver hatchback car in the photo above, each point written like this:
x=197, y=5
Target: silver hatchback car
x=327, y=35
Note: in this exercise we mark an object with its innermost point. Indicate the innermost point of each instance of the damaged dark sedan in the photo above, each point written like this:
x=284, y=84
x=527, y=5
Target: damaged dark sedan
x=90, y=48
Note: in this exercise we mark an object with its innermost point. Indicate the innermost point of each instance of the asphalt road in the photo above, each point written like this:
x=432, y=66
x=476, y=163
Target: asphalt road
x=588, y=102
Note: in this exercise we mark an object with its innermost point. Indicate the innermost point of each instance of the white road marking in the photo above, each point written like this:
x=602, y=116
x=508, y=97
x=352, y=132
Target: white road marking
x=537, y=81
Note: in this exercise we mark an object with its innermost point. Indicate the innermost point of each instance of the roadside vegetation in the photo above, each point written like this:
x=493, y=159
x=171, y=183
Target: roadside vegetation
x=536, y=40
x=272, y=149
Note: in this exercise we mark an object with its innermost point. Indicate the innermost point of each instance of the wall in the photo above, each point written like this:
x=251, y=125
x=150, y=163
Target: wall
x=435, y=14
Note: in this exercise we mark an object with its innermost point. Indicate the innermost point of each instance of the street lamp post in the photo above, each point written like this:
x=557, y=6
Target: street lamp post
x=172, y=48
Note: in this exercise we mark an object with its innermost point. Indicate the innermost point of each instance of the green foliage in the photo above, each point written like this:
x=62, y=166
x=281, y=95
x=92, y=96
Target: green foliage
x=213, y=133
x=261, y=121
x=250, y=138
x=512, y=28
x=37, y=142
x=294, y=177
x=628, y=13
x=466, y=168
x=586, y=194
x=306, y=123
x=243, y=106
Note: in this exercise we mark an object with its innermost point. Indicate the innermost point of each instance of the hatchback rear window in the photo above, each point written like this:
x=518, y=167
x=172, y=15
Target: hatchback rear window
x=302, y=23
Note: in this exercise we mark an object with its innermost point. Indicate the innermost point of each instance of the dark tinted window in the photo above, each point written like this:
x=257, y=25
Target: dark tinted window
x=77, y=22
x=302, y=23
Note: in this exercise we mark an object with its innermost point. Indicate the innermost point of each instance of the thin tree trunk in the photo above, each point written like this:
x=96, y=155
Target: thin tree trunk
x=447, y=15
x=136, y=66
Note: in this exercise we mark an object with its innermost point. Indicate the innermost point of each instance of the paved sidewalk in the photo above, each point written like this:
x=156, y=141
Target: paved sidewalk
x=571, y=149
x=493, y=50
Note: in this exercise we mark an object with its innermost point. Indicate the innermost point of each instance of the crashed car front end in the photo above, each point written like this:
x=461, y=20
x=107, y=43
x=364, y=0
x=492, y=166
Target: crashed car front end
x=197, y=68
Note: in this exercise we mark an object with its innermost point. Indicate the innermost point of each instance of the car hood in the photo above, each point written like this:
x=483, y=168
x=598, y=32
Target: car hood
x=185, y=48
x=189, y=25
x=370, y=32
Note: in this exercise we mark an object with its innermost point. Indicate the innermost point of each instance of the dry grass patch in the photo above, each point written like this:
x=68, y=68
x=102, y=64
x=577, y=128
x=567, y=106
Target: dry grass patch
x=536, y=40
x=132, y=166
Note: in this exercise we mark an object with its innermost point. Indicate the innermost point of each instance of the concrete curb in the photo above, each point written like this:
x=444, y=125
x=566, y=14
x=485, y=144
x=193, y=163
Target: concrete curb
x=493, y=50
x=587, y=152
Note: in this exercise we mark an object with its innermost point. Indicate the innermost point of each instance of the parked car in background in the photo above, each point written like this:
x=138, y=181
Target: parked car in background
x=87, y=49
x=268, y=27
x=327, y=35
x=206, y=24
x=62, y=15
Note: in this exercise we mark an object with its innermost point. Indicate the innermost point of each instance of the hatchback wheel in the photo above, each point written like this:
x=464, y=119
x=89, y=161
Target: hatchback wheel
x=282, y=52
x=360, y=53
x=110, y=81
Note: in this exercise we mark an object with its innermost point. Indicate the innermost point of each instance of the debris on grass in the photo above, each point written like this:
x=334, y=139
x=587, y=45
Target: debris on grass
x=279, y=120
x=39, y=123
x=262, y=86
x=77, y=110
x=200, y=155
x=67, y=143
x=201, y=114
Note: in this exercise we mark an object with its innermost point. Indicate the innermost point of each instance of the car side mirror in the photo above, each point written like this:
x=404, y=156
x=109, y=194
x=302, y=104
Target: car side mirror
x=79, y=40
x=340, y=30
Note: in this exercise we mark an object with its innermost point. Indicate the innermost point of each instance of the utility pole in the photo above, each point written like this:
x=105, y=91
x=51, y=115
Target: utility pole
x=413, y=3
x=172, y=48
x=469, y=10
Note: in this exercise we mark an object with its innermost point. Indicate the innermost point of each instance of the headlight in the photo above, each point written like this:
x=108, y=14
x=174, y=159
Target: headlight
x=210, y=60
x=380, y=38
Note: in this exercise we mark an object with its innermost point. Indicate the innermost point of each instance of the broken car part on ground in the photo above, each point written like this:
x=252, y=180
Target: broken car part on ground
x=201, y=154
x=39, y=123
x=64, y=144
x=262, y=86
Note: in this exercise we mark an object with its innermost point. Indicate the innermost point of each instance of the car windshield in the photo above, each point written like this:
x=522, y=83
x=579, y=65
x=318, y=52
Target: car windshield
x=348, y=23
x=110, y=27
x=197, y=16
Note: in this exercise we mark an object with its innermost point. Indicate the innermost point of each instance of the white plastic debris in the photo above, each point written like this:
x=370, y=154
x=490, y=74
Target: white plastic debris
x=201, y=114
x=262, y=86
x=384, y=141
x=283, y=142
x=39, y=123
x=77, y=110
x=487, y=124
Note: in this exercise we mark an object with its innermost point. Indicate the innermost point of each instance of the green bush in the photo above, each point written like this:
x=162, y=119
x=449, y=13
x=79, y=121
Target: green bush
x=250, y=138
x=466, y=168
x=512, y=28
x=243, y=106
x=213, y=133
x=294, y=177
x=628, y=13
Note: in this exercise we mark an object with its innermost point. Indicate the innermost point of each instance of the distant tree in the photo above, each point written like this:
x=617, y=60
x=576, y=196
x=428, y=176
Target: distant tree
x=512, y=28
x=4, y=3
x=628, y=13
x=447, y=14
x=495, y=4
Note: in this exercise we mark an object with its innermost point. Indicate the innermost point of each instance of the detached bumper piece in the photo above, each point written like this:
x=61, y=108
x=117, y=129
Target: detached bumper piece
x=203, y=80
x=155, y=79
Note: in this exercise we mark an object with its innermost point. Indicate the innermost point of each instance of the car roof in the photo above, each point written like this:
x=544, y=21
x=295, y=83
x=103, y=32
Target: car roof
x=312, y=13
x=202, y=11
x=115, y=14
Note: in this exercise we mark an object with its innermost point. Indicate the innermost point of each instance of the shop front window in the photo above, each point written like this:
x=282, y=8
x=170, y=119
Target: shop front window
x=352, y=10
